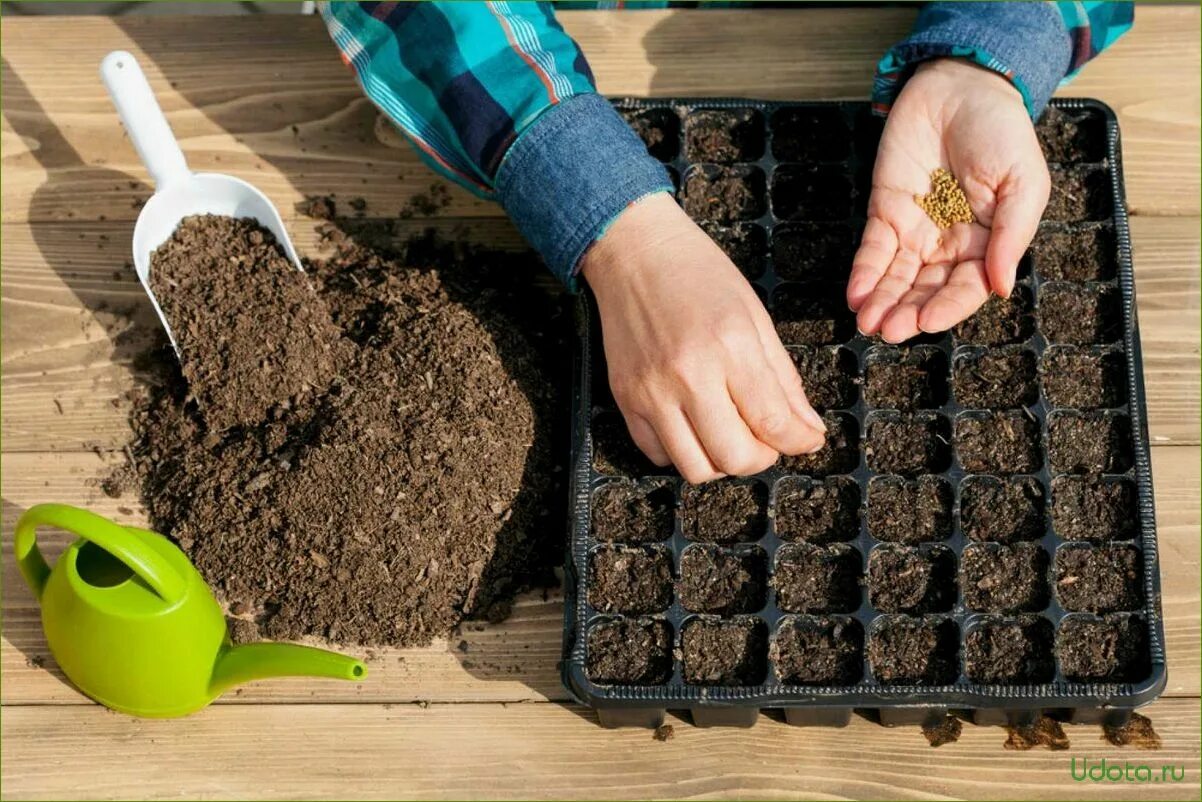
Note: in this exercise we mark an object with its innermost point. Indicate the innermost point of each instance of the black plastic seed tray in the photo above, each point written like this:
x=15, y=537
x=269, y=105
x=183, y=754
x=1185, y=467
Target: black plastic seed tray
x=875, y=576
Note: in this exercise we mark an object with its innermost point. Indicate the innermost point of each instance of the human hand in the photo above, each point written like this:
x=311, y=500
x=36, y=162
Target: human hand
x=908, y=275
x=695, y=364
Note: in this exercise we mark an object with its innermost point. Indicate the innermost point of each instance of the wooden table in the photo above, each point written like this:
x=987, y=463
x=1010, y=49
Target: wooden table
x=267, y=98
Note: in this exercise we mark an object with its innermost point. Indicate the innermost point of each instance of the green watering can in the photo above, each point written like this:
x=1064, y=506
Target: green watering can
x=134, y=626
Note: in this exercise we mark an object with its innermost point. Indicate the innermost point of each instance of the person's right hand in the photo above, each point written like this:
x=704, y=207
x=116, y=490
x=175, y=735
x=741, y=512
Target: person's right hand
x=695, y=364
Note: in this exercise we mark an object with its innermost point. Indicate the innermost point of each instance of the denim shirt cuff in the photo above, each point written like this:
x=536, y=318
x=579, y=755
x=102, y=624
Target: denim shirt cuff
x=570, y=174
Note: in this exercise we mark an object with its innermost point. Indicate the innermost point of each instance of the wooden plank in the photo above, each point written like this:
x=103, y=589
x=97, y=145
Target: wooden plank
x=514, y=661
x=544, y=751
x=287, y=115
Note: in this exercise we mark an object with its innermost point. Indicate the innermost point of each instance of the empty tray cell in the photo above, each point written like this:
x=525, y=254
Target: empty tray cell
x=630, y=512
x=614, y=453
x=909, y=510
x=906, y=579
x=914, y=651
x=812, y=252
x=724, y=511
x=840, y=454
x=1083, y=378
x=817, y=511
x=629, y=651
x=1000, y=321
x=1004, y=579
x=907, y=443
x=746, y=244
x=1089, y=442
x=1074, y=254
x=724, y=135
x=829, y=375
x=808, y=650
x=998, y=442
x=817, y=579
x=811, y=192
x=905, y=378
x=1078, y=194
x=724, y=194
x=722, y=581
x=816, y=134
x=1071, y=136
x=658, y=128
x=1079, y=314
x=1002, y=510
x=1085, y=508
x=995, y=378
x=807, y=314
x=731, y=652
x=1010, y=651
x=630, y=579
x=1110, y=649
x=1099, y=579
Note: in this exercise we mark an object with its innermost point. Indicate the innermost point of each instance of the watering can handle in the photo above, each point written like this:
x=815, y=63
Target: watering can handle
x=143, y=119
x=113, y=538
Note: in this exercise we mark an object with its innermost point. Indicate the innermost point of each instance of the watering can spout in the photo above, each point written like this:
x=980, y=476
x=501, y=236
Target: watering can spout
x=254, y=661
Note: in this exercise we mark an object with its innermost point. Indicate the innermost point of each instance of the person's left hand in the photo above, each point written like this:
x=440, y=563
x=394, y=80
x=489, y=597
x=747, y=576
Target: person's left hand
x=908, y=276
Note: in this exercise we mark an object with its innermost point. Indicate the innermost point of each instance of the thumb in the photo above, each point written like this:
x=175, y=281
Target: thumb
x=1020, y=204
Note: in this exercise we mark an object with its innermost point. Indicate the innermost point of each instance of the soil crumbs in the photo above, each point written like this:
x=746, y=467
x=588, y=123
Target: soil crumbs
x=1044, y=732
x=945, y=731
x=1136, y=732
x=664, y=732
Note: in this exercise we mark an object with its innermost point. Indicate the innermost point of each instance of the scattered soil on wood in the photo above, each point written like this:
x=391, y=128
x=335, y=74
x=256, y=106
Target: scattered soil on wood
x=629, y=652
x=1137, y=732
x=724, y=136
x=811, y=315
x=817, y=579
x=1089, y=509
x=630, y=580
x=658, y=128
x=996, y=379
x=1089, y=442
x=1081, y=379
x=746, y=244
x=810, y=135
x=914, y=651
x=722, y=581
x=1046, y=732
x=1010, y=651
x=946, y=731
x=998, y=442
x=829, y=375
x=732, y=652
x=1099, y=579
x=664, y=732
x=724, y=512
x=817, y=511
x=908, y=443
x=1080, y=315
x=904, y=579
x=724, y=194
x=1074, y=254
x=840, y=454
x=1110, y=649
x=909, y=511
x=634, y=513
x=1005, y=579
x=818, y=651
x=1000, y=321
x=905, y=378
x=1002, y=510
x=806, y=253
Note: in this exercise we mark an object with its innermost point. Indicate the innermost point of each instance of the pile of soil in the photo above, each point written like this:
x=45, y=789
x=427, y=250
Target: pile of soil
x=817, y=511
x=745, y=244
x=914, y=651
x=811, y=192
x=1045, y=731
x=1010, y=651
x=829, y=375
x=1080, y=315
x=1088, y=509
x=905, y=378
x=812, y=252
x=1075, y=254
x=1110, y=649
x=1005, y=579
x=630, y=580
x=1079, y=378
x=724, y=194
x=659, y=129
x=629, y=651
x=998, y=442
x=996, y=379
x=909, y=510
x=724, y=652
x=840, y=454
x=724, y=136
x=1137, y=732
x=817, y=579
x=809, y=315
x=945, y=731
x=904, y=579
x=722, y=581
x=1089, y=442
x=724, y=512
x=1004, y=510
x=818, y=651
x=1099, y=579
x=908, y=443
x=999, y=321
x=634, y=513
x=810, y=135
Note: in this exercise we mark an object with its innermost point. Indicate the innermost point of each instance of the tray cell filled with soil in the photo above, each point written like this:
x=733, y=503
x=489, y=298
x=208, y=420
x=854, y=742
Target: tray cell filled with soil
x=630, y=579
x=910, y=511
x=908, y=579
x=724, y=194
x=1083, y=378
x=999, y=321
x=810, y=578
x=1078, y=194
x=1002, y=509
x=1093, y=509
x=614, y=453
x=995, y=378
x=723, y=581
x=1079, y=314
x=1089, y=442
x=746, y=244
x=658, y=128
x=1004, y=579
x=1112, y=648
x=811, y=314
x=724, y=652
x=629, y=651
x=634, y=512
x=1068, y=137
x=724, y=512
x=829, y=374
x=998, y=442
x=811, y=192
x=907, y=443
x=724, y=136
x=903, y=650
x=812, y=251
x=1075, y=253
x=905, y=378
x=817, y=511
x=1010, y=651
x=814, y=134
x=840, y=454
x=1099, y=579
x=814, y=650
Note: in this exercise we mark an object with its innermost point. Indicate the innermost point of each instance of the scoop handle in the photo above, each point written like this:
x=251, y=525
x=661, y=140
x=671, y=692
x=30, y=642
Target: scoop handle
x=143, y=119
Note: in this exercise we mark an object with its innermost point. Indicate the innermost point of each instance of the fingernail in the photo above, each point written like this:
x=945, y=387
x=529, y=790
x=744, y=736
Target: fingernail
x=814, y=419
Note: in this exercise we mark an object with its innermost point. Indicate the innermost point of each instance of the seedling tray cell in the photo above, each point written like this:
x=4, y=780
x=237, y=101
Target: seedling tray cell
x=978, y=533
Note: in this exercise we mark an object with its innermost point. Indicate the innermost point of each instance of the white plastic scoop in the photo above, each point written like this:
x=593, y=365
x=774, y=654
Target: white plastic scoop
x=178, y=191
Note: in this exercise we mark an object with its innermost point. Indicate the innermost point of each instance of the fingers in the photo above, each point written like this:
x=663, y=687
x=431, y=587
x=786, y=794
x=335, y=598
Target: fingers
x=683, y=447
x=726, y=436
x=1020, y=204
x=787, y=376
x=644, y=436
x=966, y=289
x=902, y=323
x=768, y=413
x=877, y=248
x=889, y=290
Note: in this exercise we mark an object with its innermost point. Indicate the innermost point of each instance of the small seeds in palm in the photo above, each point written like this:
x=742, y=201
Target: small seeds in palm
x=945, y=204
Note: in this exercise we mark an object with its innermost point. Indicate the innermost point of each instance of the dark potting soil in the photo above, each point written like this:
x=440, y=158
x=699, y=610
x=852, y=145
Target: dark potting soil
x=629, y=651
x=1000, y=378
x=908, y=443
x=904, y=579
x=1109, y=649
x=1099, y=579
x=746, y=244
x=658, y=128
x=730, y=652
x=630, y=580
x=1046, y=732
x=724, y=512
x=1082, y=379
x=817, y=511
x=999, y=321
x=810, y=135
x=1078, y=193
x=242, y=366
x=722, y=581
x=1014, y=651
x=1090, y=509
x=1066, y=136
x=1089, y=442
x=614, y=453
x=1004, y=579
x=812, y=252
x=1002, y=510
x=811, y=192
x=724, y=194
x=914, y=651
x=998, y=442
x=633, y=513
x=905, y=378
x=817, y=579
x=1075, y=254
x=840, y=454
x=1137, y=732
x=1079, y=314
x=724, y=135
x=810, y=315
x=818, y=651
x=829, y=375
x=909, y=510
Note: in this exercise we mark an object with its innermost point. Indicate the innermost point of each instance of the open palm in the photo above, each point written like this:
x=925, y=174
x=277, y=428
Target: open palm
x=908, y=275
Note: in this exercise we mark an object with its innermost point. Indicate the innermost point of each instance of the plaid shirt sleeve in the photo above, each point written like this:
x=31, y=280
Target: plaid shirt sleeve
x=1036, y=46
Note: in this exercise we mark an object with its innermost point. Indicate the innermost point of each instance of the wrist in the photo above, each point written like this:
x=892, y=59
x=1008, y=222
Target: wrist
x=609, y=261
x=967, y=75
